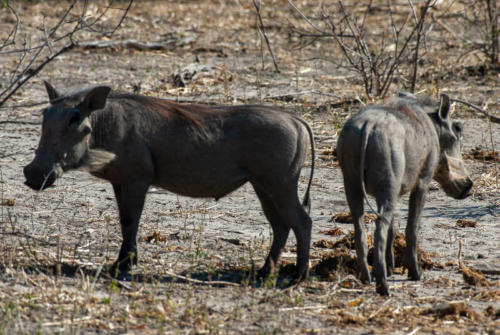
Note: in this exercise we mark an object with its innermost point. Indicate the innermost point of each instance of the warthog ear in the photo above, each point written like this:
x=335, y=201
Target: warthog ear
x=96, y=98
x=52, y=92
x=404, y=94
x=444, y=107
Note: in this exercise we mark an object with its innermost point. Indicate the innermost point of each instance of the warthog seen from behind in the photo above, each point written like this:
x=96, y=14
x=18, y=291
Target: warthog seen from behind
x=193, y=150
x=390, y=150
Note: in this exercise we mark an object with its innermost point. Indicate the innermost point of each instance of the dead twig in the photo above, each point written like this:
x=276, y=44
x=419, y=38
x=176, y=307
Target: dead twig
x=303, y=308
x=322, y=32
x=263, y=32
x=374, y=57
x=420, y=26
x=492, y=118
x=471, y=277
x=23, y=72
x=19, y=122
x=20, y=82
x=122, y=18
x=445, y=27
x=11, y=37
x=202, y=282
x=129, y=43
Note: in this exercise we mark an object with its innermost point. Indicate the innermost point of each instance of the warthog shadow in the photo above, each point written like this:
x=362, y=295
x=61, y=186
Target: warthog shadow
x=219, y=278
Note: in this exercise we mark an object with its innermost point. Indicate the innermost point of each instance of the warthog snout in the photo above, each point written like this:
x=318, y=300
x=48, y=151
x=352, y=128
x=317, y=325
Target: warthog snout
x=40, y=176
x=453, y=177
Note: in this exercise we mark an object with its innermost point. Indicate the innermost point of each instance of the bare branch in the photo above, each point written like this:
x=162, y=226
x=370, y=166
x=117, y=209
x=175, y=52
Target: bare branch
x=263, y=32
x=307, y=20
x=365, y=15
x=121, y=19
x=492, y=118
x=420, y=26
x=481, y=18
x=54, y=29
x=57, y=45
x=11, y=38
x=18, y=83
x=415, y=16
x=374, y=55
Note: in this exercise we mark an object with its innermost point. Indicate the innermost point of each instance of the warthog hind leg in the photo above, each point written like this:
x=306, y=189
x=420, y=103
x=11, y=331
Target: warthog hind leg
x=383, y=226
x=280, y=233
x=286, y=211
x=389, y=251
x=355, y=201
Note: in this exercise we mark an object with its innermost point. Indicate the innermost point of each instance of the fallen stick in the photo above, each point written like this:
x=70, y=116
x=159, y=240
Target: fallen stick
x=131, y=44
x=285, y=309
x=20, y=122
x=414, y=331
x=204, y=282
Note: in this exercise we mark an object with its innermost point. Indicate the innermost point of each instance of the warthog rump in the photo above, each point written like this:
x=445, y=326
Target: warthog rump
x=390, y=150
x=194, y=150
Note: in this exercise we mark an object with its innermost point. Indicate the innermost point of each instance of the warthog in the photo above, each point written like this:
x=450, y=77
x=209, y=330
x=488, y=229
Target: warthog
x=194, y=150
x=390, y=150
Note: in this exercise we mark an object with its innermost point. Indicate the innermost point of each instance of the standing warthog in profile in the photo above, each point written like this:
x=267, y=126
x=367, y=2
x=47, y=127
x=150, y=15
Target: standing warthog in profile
x=390, y=150
x=193, y=150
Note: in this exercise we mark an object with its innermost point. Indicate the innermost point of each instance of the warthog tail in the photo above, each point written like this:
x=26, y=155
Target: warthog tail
x=306, y=202
x=365, y=134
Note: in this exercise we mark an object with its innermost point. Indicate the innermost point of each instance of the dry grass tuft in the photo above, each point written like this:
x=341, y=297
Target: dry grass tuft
x=482, y=155
x=9, y=202
x=345, y=217
x=464, y=223
x=348, y=243
x=474, y=277
x=333, y=232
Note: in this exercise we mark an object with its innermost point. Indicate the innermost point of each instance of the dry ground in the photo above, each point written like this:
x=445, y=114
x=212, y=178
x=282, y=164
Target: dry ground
x=56, y=245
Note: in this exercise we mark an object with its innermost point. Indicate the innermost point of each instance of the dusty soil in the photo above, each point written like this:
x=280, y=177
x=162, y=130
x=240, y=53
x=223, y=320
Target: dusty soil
x=197, y=257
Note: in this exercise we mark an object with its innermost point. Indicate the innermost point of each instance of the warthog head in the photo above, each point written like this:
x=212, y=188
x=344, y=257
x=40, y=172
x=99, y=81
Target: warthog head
x=64, y=143
x=451, y=173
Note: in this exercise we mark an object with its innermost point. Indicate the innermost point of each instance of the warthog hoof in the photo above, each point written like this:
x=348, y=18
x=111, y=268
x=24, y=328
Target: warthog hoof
x=299, y=277
x=413, y=276
x=383, y=289
x=124, y=264
x=365, y=277
x=264, y=272
x=267, y=271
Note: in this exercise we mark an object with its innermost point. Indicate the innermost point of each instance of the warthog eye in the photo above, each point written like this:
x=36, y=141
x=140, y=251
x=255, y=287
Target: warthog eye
x=457, y=128
x=75, y=118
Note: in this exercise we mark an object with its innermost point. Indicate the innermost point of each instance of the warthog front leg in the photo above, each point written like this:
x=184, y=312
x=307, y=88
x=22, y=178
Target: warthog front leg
x=130, y=199
x=417, y=198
